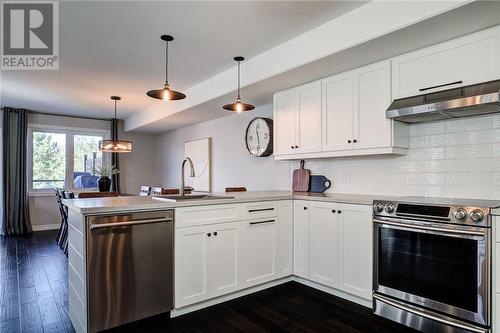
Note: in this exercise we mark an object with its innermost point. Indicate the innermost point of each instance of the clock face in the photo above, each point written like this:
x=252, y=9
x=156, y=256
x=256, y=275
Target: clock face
x=259, y=137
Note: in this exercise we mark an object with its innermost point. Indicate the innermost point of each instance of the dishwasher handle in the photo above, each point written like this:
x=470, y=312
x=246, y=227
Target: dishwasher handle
x=129, y=223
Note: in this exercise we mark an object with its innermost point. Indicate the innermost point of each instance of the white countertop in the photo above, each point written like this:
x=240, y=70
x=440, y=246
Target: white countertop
x=136, y=203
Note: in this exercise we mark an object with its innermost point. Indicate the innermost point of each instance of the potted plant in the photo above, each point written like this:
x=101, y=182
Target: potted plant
x=104, y=182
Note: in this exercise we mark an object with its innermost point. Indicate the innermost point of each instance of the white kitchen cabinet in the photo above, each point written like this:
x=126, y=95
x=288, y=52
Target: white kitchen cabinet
x=324, y=247
x=206, y=262
x=343, y=117
x=301, y=220
x=459, y=62
x=285, y=114
x=355, y=249
x=372, y=97
x=259, y=253
x=285, y=238
x=193, y=270
x=337, y=112
x=297, y=120
x=224, y=257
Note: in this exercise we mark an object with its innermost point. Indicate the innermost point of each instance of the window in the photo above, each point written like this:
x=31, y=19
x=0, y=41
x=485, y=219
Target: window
x=64, y=157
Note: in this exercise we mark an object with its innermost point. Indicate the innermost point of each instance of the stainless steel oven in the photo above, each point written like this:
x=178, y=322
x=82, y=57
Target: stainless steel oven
x=432, y=266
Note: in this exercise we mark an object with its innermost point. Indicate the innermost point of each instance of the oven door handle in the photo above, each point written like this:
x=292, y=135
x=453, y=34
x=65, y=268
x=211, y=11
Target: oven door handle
x=417, y=312
x=437, y=230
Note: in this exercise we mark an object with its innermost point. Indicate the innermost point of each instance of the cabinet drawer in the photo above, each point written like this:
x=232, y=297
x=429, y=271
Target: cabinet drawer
x=259, y=210
x=201, y=215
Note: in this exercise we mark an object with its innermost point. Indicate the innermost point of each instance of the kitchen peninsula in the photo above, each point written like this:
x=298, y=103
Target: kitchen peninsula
x=214, y=253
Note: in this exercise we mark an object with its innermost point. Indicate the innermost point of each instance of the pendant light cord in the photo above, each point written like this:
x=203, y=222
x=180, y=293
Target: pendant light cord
x=238, y=79
x=166, y=62
x=115, y=108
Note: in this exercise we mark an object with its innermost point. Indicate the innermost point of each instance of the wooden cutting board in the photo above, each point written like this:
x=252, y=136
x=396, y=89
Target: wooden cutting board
x=301, y=179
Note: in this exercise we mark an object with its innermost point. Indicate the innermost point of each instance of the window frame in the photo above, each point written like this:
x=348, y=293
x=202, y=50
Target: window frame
x=70, y=132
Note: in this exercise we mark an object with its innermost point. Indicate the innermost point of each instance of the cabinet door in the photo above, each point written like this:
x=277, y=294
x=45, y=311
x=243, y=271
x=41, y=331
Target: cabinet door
x=301, y=239
x=324, y=243
x=260, y=249
x=337, y=112
x=372, y=97
x=355, y=250
x=309, y=118
x=192, y=265
x=284, y=131
x=285, y=237
x=460, y=62
x=224, y=257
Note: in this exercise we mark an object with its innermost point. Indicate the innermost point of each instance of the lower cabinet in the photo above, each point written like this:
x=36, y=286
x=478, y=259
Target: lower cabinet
x=217, y=259
x=333, y=245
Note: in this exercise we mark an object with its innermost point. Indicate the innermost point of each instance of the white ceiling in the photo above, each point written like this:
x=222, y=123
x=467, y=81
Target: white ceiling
x=113, y=48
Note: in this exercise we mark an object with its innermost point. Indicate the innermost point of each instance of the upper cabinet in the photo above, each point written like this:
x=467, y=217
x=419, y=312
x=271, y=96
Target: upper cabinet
x=343, y=115
x=297, y=119
x=459, y=62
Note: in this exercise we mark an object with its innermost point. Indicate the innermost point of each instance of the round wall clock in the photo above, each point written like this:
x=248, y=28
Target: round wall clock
x=259, y=137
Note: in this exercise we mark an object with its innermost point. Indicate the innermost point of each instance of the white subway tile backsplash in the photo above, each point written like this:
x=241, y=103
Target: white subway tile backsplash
x=426, y=129
x=468, y=124
x=449, y=139
x=446, y=166
x=470, y=151
x=454, y=158
x=426, y=154
x=487, y=136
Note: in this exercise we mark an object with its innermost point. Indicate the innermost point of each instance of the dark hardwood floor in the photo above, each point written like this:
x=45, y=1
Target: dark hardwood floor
x=33, y=298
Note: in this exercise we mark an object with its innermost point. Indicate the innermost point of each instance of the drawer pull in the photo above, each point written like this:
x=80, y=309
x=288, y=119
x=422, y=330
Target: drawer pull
x=260, y=210
x=260, y=222
x=441, y=85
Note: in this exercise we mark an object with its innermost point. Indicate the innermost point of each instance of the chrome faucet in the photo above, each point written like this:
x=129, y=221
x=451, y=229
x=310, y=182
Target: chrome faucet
x=191, y=166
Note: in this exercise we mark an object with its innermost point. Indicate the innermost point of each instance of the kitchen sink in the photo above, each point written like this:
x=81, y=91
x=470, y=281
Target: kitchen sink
x=175, y=198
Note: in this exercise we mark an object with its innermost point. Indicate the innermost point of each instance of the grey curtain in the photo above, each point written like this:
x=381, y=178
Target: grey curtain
x=16, y=215
x=115, y=160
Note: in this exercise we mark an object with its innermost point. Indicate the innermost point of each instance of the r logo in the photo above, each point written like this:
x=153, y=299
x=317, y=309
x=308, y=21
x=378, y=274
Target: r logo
x=28, y=28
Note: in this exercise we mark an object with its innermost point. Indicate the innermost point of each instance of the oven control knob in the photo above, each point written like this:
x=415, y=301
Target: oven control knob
x=460, y=214
x=378, y=207
x=476, y=215
x=389, y=209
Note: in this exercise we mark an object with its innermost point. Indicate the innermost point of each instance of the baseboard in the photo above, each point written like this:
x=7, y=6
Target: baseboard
x=43, y=227
x=333, y=291
x=224, y=298
x=197, y=306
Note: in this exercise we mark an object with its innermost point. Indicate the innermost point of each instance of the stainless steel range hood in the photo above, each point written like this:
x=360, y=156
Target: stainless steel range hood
x=473, y=100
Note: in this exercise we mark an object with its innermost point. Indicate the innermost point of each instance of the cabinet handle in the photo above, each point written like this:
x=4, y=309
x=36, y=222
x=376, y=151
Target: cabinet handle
x=305, y=208
x=354, y=140
x=296, y=147
x=340, y=212
x=349, y=141
x=259, y=210
x=209, y=234
x=215, y=233
x=291, y=147
x=334, y=211
x=441, y=85
x=260, y=222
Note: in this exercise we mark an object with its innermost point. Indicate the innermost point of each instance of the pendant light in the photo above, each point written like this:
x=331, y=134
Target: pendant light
x=166, y=93
x=115, y=146
x=239, y=106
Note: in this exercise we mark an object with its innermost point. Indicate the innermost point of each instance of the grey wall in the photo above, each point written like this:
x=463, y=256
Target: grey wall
x=232, y=165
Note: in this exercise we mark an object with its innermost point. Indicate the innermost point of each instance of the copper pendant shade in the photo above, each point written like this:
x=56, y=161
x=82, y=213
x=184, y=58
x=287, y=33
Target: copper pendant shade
x=166, y=94
x=238, y=106
x=115, y=146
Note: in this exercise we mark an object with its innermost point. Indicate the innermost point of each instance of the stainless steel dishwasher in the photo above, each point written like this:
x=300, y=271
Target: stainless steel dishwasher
x=129, y=267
